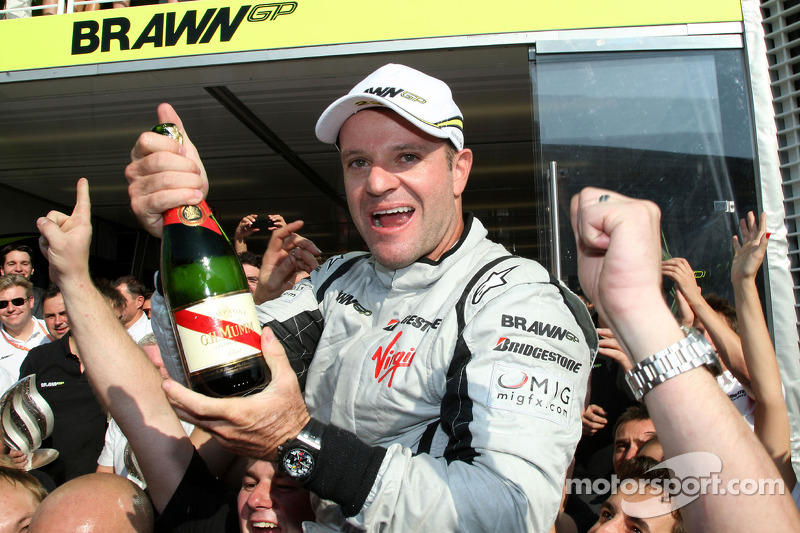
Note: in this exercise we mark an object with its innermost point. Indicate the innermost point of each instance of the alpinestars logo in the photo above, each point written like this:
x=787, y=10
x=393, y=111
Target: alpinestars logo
x=88, y=35
x=348, y=299
x=333, y=260
x=388, y=360
x=495, y=280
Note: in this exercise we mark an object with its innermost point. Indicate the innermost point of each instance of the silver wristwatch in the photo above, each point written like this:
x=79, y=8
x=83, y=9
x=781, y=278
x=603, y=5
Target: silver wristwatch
x=689, y=353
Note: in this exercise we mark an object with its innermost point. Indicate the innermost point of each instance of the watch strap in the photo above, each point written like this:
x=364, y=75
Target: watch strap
x=345, y=468
x=689, y=353
x=310, y=435
x=297, y=457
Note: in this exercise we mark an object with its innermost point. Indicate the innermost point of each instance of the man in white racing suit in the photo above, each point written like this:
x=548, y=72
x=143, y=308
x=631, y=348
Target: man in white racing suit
x=445, y=377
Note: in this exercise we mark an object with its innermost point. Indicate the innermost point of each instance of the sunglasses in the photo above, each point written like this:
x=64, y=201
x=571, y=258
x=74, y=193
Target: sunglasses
x=14, y=301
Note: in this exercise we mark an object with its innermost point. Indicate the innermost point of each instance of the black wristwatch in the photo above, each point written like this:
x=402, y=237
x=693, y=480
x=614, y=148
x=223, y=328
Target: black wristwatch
x=297, y=457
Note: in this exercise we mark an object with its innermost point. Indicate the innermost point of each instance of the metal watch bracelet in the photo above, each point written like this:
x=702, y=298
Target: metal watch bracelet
x=689, y=353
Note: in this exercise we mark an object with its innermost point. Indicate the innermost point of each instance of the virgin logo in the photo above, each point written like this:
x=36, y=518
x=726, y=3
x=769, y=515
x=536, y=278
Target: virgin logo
x=388, y=360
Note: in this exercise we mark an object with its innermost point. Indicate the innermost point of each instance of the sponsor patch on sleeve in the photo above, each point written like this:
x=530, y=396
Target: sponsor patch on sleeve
x=292, y=294
x=532, y=392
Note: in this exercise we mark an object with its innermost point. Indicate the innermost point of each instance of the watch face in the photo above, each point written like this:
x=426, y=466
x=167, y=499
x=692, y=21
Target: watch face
x=298, y=463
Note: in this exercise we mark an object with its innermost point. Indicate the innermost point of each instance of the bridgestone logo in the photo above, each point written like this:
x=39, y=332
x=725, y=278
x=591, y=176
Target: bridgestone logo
x=415, y=322
x=505, y=344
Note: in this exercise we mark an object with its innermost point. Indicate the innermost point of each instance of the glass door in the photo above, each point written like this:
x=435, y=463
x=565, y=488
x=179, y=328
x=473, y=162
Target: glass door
x=672, y=126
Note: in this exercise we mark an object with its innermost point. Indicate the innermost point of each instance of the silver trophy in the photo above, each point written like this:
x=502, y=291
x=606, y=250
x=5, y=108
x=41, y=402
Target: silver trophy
x=26, y=419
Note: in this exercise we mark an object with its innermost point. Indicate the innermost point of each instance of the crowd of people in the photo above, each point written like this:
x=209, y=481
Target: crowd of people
x=17, y=9
x=433, y=383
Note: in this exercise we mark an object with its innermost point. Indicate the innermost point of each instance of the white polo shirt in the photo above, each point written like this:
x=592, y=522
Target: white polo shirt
x=5, y=380
x=140, y=328
x=14, y=351
x=738, y=395
x=117, y=453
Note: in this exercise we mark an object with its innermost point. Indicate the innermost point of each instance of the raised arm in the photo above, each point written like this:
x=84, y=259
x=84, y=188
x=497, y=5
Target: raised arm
x=610, y=347
x=619, y=269
x=163, y=174
x=727, y=342
x=124, y=380
x=243, y=230
x=771, y=417
x=287, y=254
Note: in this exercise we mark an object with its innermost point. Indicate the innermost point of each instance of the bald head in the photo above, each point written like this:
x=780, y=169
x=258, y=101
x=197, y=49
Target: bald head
x=94, y=503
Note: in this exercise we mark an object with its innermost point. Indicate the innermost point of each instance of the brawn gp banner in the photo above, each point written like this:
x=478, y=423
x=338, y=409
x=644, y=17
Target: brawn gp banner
x=211, y=27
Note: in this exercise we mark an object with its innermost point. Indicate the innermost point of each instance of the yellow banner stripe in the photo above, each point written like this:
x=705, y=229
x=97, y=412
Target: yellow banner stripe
x=217, y=26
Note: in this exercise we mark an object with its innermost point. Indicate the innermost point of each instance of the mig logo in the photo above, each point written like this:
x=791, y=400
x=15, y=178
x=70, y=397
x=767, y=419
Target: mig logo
x=390, y=359
x=531, y=391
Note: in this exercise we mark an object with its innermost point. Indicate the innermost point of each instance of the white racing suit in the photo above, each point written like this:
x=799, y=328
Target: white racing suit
x=453, y=389
x=472, y=370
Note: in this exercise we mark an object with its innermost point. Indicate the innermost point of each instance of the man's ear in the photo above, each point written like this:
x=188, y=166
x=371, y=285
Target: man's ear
x=462, y=164
x=139, y=302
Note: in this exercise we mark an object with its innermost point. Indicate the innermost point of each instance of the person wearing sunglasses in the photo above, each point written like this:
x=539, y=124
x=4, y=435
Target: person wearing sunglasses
x=19, y=329
x=17, y=258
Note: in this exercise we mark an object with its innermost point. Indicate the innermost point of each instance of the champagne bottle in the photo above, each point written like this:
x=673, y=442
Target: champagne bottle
x=214, y=316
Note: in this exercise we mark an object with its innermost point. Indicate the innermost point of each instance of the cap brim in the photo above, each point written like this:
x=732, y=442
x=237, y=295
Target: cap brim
x=334, y=117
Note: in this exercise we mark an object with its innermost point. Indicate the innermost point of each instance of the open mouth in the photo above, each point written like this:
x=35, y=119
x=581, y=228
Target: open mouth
x=392, y=218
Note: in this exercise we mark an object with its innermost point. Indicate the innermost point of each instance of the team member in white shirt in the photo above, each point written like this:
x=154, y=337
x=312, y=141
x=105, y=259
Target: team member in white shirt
x=133, y=317
x=19, y=330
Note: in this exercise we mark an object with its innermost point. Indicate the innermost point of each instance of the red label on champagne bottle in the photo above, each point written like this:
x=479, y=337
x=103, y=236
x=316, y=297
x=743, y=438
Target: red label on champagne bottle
x=219, y=330
x=192, y=215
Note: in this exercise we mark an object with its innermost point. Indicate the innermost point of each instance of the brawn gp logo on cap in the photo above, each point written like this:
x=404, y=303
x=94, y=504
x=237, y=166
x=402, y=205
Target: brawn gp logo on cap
x=391, y=92
x=426, y=102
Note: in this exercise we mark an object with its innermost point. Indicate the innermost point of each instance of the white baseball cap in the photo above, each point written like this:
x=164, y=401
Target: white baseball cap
x=424, y=101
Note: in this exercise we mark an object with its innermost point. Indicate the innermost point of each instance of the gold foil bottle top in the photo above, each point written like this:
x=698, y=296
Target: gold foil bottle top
x=170, y=130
